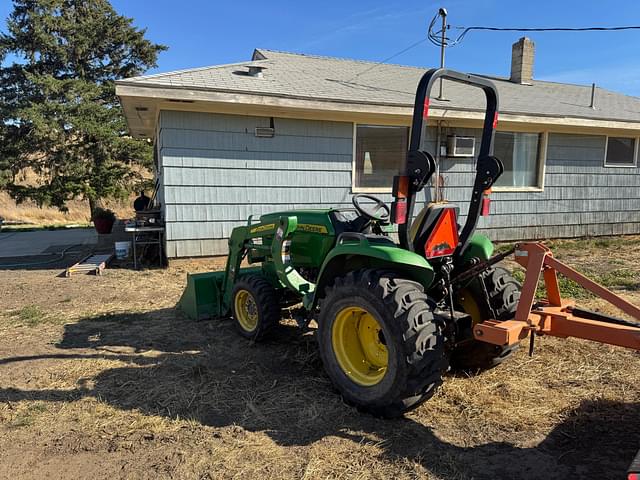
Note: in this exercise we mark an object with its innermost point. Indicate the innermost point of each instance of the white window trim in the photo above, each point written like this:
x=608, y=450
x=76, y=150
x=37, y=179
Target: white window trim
x=542, y=162
x=617, y=165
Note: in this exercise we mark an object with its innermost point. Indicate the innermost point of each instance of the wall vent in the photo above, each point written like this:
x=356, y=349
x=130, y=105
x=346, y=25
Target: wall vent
x=265, y=132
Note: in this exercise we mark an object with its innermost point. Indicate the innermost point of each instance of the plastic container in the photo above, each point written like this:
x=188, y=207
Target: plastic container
x=122, y=250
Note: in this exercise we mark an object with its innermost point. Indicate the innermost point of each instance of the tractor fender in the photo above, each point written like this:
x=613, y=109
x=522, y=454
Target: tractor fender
x=356, y=252
x=479, y=247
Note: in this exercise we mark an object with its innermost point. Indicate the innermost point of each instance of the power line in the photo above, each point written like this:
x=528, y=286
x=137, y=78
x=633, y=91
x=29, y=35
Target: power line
x=435, y=37
x=397, y=54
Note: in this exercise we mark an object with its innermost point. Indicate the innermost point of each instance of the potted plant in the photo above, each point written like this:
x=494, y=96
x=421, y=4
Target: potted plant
x=103, y=220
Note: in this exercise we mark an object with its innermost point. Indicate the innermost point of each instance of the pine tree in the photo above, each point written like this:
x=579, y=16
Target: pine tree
x=59, y=115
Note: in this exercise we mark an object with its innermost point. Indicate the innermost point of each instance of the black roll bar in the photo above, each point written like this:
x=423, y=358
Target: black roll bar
x=488, y=168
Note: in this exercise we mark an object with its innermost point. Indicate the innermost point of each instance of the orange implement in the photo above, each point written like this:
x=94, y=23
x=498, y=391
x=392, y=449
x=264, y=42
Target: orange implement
x=554, y=316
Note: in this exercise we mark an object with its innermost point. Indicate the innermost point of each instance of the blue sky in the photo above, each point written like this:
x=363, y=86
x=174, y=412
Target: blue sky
x=200, y=32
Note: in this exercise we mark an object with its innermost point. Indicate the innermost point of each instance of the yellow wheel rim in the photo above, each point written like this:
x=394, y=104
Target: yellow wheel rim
x=359, y=346
x=246, y=310
x=470, y=306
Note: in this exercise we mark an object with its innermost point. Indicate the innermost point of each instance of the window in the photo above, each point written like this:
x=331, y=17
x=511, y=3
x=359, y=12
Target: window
x=520, y=154
x=380, y=154
x=620, y=152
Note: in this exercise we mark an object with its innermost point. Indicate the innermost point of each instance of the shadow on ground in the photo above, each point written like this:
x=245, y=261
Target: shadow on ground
x=205, y=372
x=46, y=261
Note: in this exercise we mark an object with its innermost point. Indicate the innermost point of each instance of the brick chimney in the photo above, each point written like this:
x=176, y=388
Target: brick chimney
x=522, y=53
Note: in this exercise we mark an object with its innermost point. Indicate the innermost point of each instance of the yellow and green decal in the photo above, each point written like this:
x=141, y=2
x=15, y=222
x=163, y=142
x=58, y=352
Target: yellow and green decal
x=263, y=228
x=308, y=227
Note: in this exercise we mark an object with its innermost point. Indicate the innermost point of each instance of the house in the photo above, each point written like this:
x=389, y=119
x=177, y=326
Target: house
x=288, y=130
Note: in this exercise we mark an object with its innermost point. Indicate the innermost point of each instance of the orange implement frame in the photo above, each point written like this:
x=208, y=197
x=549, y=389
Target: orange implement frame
x=555, y=316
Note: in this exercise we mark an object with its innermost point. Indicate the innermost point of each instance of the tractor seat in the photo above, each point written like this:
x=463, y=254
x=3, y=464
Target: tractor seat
x=348, y=220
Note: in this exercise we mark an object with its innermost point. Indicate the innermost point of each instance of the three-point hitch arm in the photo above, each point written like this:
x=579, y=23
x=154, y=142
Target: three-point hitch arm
x=554, y=316
x=421, y=165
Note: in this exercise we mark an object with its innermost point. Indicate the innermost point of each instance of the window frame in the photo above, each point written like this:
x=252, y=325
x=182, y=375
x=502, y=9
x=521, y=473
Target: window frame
x=542, y=162
x=354, y=187
x=617, y=165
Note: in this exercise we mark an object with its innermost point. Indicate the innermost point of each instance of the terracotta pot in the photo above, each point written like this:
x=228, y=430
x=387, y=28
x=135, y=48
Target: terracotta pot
x=103, y=225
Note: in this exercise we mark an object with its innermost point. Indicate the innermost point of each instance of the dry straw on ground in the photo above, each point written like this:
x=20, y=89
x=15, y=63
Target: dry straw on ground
x=101, y=378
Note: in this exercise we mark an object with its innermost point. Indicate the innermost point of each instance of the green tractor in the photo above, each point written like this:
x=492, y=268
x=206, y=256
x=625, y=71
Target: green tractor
x=391, y=316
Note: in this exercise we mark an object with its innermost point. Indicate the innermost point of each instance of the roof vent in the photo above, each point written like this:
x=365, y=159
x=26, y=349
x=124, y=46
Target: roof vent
x=255, y=70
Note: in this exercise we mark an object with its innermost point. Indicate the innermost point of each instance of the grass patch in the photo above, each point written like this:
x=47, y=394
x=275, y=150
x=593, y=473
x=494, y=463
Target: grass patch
x=622, y=279
x=27, y=416
x=615, y=280
x=568, y=288
x=503, y=247
x=583, y=244
x=31, y=316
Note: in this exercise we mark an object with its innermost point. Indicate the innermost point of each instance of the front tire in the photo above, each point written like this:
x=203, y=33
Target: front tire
x=379, y=342
x=254, y=307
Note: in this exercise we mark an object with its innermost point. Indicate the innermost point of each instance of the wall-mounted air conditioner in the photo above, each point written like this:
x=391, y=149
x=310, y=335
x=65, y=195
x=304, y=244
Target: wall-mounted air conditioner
x=461, y=146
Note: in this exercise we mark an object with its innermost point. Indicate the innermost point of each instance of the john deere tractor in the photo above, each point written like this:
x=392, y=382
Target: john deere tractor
x=391, y=316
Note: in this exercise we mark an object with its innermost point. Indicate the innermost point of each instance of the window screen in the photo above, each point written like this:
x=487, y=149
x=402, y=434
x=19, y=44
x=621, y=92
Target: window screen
x=621, y=151
x=519, y=153
x=380, y=154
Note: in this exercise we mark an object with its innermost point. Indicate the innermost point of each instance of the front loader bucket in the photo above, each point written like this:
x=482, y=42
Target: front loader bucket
x=202, y=298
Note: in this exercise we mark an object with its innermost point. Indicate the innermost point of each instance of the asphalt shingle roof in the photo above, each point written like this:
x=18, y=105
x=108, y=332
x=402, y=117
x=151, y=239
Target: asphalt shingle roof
x=351, y=81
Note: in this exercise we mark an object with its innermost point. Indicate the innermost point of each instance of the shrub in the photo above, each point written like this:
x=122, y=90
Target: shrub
x=103, y=214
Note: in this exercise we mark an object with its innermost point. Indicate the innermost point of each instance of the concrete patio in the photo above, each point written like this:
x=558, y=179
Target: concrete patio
x=45, y=242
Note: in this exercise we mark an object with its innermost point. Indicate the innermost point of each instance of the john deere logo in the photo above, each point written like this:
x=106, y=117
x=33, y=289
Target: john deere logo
x=263, y=228
x=307, y=227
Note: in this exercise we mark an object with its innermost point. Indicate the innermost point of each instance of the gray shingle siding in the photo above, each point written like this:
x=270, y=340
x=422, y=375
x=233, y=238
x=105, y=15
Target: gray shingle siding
x=215, y=173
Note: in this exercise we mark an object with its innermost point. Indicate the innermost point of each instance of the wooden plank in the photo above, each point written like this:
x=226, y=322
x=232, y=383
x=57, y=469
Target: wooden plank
x=90, y=264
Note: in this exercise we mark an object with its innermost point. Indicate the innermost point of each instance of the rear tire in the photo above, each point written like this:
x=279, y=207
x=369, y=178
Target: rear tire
x=385, y=323
x=504, y=293
x=255, y=307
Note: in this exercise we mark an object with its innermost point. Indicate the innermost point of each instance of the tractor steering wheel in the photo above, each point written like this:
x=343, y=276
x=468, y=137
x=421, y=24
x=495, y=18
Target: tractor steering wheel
x=372, y=212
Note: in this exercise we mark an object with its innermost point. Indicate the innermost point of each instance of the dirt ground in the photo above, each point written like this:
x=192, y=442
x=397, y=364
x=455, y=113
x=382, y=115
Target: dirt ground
x=100, y=377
